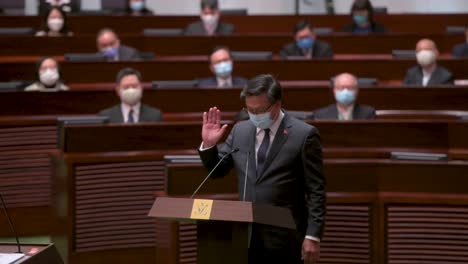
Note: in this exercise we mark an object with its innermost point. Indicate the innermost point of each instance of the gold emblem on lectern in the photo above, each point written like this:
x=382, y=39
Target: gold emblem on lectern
x=201, y=209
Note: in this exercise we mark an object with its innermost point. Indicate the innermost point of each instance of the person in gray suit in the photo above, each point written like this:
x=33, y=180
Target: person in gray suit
x=131, y=110
x=461, y=50
x=222, y=66
x=428, y=72
x=345, y=90
x=306, y=43
x=209, y=24
x=108, y=43
x=285, y=169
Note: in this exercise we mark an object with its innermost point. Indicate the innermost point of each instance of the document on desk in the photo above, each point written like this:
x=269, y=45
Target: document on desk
x=10, y=258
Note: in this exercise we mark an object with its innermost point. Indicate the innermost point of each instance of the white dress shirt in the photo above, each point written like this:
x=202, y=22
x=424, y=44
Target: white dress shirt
x=346, y=114
x=224, y=82
x=426, y=77
x=126, y=109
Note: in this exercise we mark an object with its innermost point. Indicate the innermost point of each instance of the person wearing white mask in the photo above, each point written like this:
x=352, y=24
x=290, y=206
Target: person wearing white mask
x=345, y=91
x=55, y=24
x=48, y=77
x=222, y=66
x=108, y=44
x=427, y=72
x=129, y=88
x=137, y=8
x=209, y=24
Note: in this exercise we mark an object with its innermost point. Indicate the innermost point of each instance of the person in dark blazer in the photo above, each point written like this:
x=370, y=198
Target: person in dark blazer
x=131, y=110
x=222, y=66
x=285, y=169
x=306, y=43
x=137, y=8
x=428, y=72
x=345, y=90
x=209, y=24
x=461, y=50
x=362, y=14
x=108, y=43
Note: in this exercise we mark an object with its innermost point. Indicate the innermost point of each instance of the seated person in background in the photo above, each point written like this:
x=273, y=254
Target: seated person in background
x=362, y=13
x=131, y=110
x=67, y=6
x=209, y=24
x=306, y=43
x=48, y=77
x=108, y=43
x=137, y=8
x=55, y=24
x=221, y=65
x=461, y=50
x=346, y=90
x=427, y=72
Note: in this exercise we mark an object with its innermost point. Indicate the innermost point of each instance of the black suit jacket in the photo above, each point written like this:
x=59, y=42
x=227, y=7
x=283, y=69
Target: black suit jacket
x=197, y=29
x=213, y=82
x=440, y=76
x=292, y=176
x=127, y=53
x=147, y=114
x=331, y=112
x=319, y=50
x=460, y=50
x=375, y=28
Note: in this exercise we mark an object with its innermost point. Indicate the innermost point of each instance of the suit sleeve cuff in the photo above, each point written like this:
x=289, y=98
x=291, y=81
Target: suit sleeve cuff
x=312, y=238
x=201, y=148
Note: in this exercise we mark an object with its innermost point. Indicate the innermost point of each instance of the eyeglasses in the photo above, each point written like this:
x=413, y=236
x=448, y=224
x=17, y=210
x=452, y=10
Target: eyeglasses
x=259, y=112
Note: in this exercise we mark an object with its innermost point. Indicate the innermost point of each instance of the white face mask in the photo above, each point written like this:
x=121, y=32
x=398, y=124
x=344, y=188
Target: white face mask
x=425, y=57
x=55, y=24
x=49, y=77
x=210, y=20
x=131, y=96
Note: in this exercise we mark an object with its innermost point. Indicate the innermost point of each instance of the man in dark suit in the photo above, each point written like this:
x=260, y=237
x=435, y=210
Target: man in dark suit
x=285, y=169
x=108, y=43
x=428, y=72
x=345, y=90
x=461, y=50
x=306, y=43
x=209, y=24
x=222, y=65
x=131, y=110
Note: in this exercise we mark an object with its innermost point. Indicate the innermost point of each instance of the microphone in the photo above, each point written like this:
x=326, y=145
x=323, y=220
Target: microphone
x=211, y=172
x=246, y=177
x=10, y=223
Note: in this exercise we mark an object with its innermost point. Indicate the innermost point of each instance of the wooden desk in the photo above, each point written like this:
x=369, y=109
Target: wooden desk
x=383, y=69
x=199, y=100
x=422, y=23
x=177, y=45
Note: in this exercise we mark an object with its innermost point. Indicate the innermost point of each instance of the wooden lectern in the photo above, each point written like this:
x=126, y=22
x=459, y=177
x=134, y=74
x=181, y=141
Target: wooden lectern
x=34, y=253
x=222, y=226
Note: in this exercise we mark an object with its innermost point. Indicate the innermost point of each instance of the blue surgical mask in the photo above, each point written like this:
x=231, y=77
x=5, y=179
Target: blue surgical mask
x=261, y=121
x=305, y=43
x=110, y=52
x=137, y=6
x=223, y=69
x=345, y=96
x=359, y=19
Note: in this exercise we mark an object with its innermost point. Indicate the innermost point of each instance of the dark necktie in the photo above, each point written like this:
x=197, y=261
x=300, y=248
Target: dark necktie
x=130, y=117
x=262, y=152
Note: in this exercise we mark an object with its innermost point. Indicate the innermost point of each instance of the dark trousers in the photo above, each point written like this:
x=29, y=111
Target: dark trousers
x=271, y=245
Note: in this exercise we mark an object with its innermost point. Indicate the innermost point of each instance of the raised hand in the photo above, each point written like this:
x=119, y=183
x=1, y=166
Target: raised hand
x=212, y=131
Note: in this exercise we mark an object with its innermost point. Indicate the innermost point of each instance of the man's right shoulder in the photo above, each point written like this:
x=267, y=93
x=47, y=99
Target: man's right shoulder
x=108, y=111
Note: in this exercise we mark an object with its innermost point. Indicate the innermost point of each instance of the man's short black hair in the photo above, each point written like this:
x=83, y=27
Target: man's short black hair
x=127, y=71
x=211, y=4
x=217, y=48
x=263, y=84
x=302, y=24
